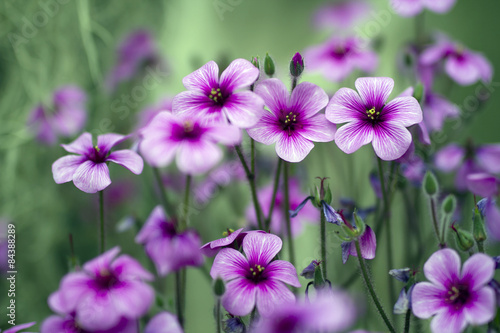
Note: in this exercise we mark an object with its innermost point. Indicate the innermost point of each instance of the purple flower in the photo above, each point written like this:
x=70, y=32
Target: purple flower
x=483, y=184
x=185, y=136
x=68, y=324
x=255, y=280
x=293, y=121
x=408, y=8
x=17, y=328
x=222, y=176
x=307, y=214
x=65, y=117
x=89, y=170
x=462, y=65
x=217, y=99
x=168, y=249
x=455, y=298
x=367, y=245
x=163, y=322
x=329, y=311
x=436, y=110
x=3, y=246
x=468, y=160
x=341, y=14
x=107, y=290
x=370, y=119
x=210, y=249
x=339, y=57
x=414, y=170
x=492, y=218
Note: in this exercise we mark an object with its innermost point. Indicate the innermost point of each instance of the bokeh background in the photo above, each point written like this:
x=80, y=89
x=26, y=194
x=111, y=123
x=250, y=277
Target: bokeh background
x=77, y=44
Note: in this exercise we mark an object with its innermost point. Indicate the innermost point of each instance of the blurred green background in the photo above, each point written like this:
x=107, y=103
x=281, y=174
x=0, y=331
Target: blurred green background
x=77, y=44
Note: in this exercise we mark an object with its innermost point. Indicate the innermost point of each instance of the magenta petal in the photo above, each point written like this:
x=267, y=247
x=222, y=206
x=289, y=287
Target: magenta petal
x=96, y=311
x=484, y=67
x=194, y=103
x=462, y=70
x=404, y=110
x=272, y=294
x=274, y=93
x=74, y=287
x=126, y=267
x=56, y=324
x=293, y=148
x=152, y=226
x=239, y=298
x=261, y=248
x=267, y=130
x=488, y=156
x=439, y=6
x=128, y=159
x=203, y=79
x=318, y=129
x=367, y=244
x=212, y=248
x=449, y=157
x=482, y=184
x=407, y=8
x=107, y=141
x=197, y=157
x=443, y=267
x=229, y=264
x=163, y=322
x=352, y=136
x=226, y=134
x=283, y=271
x=17, y=328
x=242, y=108
x=92, y=177
x=492, y=217
x=345, y=106
x=374, y=91
x=483, y=309
x=307, y=99
x=57, y=303
x=239, y=74
x=427, y=299
x=478, y=270
x=132, y=299
x=391, y=140
x=435, y=53
x=81, y=145
x=64, y=168
x=448, y=321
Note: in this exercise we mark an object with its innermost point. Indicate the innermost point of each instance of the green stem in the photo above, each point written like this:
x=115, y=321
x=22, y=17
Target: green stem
x=217, y=315
x=88, y=43
x=178, y=297
x=369, y=285
x=323, y=243
x=185, y=207
x=480, y=246
x=287, y=214
x=252, y=156
x=407, y=321
x=101, y=213
x=435, y=222
x=163, y=193
x=419, y=30
x=252, y=316
x=275, y=191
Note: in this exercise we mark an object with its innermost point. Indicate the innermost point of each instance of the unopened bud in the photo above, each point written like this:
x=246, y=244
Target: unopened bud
x=431, y=185
x=219, y=287
x=296, y=65
x=269, y=65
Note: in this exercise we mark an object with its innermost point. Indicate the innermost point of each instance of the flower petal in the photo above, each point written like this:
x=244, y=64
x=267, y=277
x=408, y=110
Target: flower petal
x=462, y=69
x=293, y=148
x=407, y=8
x=435, y=53
x=307, y=99
x=267, y=130
x=73, y=287
x=194, y=103
x=107, y=141
x=132, y=298
x=272, y=294
x=391, y=140
x=449, y=157
x=352, y=136
x=492, y=214
x=449, y=321
x=482, y=184
x=239, y=74
x=102, y=262
x=92, y=177
x=274, y=93
x=242, y=109
x=367, y=244
x=64, y=168
x=197, y=157
x=374, y=91
x=226, y=134
x=229, y=264
x=478, y=270
x=345, y=106
x=239, y=298
x=488, y=157
x=81, y=145
x=163, y=322
x=404, y=110
x=203, y=79
x=261, y=248
x=318, y=129
x=96, y=311
x=128, y=159
x=439, y=6
x=127, y=268
x=443, y=268
x=283, y=271
x=427, y=300
x=483, y=307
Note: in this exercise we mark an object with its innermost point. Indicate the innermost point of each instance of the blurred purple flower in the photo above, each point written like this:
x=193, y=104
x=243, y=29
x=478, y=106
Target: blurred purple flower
x=436, y=110
x=65, y=117
x=408, y=8
x=217, y=99
x=341, y=14
x=210, y=249
x=17, y=328
x=255, y=280
x=3, y=246
x=163, y=322
x=338, y=57
x=483, y=184
x=194, y=142
x=455, y=297
x=89, y=170
x=370, y=119
x=168, y=249
x=464, y=66
x=224, y=175
x=104, y=292
x=292, y=121
x=68, y=324
x=414, y=170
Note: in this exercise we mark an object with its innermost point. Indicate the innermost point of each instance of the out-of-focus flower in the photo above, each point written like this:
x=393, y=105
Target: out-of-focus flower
x=3, y=246
x=89, y=170
x=483, y=184
x=308, y=213
x=408, y=8
x=65, y=117
x=292, y=121
x=193, y=142
x=169, y=249
x=455, y=297
x=340, y=14
x=107, y=290
x=464, y=66
x=17, y=328
x=210, y=249
x=217, y=99
x=414, y=170
x=164, y=322
x=234, y=325
x=68, y=324
x=255, y=280
x=491, y=214
x=224, y=175
x=370, y=119
x=338, y=57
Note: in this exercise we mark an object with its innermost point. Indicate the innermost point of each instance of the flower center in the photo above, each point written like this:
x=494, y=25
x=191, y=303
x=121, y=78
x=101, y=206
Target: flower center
x=187, y=131
x=290, y=123
x=106, y=280
x=256, y=273
x=216, y=96
x=97, y=155
x=373, y=114
x=228, y=232
x=458, y=295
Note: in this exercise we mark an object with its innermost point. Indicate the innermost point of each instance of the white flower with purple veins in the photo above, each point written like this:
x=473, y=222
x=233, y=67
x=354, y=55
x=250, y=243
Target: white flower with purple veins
x=89, y=170
x=370, y=118
x=221, y=100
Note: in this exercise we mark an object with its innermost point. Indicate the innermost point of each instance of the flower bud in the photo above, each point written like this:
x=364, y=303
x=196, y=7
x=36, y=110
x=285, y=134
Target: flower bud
x=296, y=65
x=478, y=229
x=234, y=325
x=431, y=185
x=360, y=224
x=464, y=239
x=319, y=282
x=449, y=204
x=401, y=274
x=269, y=65
x=255, y=62
x=309, y=271
x=219, y=287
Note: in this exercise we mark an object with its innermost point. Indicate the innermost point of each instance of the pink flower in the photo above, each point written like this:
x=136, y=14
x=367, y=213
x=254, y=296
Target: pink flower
x=371, y=119
x=455, y=297
x=293, y=121
x=210, y=249
x=215, y=99
x=408, y=8
x=341, y=14
x=163, y=322
x=89, y=170
x=17, y=328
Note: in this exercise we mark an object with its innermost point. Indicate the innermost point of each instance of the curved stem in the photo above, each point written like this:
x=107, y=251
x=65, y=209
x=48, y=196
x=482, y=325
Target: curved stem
x=369, y=285
x=275, y=191
x=185, y=207
x=178, y=297
x=291, y=251
x=323, y=243
x=407, y=321
x=88, y=43
x=101, y=213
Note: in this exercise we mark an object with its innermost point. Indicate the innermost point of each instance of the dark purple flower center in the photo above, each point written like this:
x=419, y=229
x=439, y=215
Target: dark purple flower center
x=340, y=51
x=290, y=122
x=256, y=273
x=287, y=324
x=168, y=229
x=458, y=295
x=373, y=114
x=106, y=280
x=187, y=131
x=217, y=96
x=97, y=155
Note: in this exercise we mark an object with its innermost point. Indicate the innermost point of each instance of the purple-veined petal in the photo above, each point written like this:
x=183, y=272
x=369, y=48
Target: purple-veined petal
x=374, y=91
x=478, y=270
x=229, y=264
x=492, y=217
x=488, y=156
x=64, y=168
x=482, y=184
x=439, y=6
x=404, y=110
x=210, y=249
x=448, y=320
x=352, y=136
x=239, y=298
x=226, y=134
x=267, y=130
x=318, y=129
x=242, y=109
x=274, y=93
x=407, y=8
x=391, y=140
x=82, y=145
x=197, y=157
x=462, y=69
x=443, y=267
x=239, y=74
x=272, y=294
x=203, y=79
x=449, y=157
x=435, y=53
x=307, y=99
x=283, y=271
x=367, y=244
x=483, y=309
x=261, y=248
x=163, y=322
x=107, y=141
x=293, y=148
x=128, y=159
x=195, y=103
x=92, y=177
x=427, y=299
x=345, y=106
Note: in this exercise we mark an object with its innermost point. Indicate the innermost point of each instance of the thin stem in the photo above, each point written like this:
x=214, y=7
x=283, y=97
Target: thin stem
x=435, y=222
x=369, y=285
x=163, y=193
x=287, y=214
x=444, y=222
x=275, y=191
x=323, y=243
x=407, y=321
x=420, y=30
x=480, y=247
x=251, y=181
x=178, y=297
x=88, y=43
x=294, y=83
x=217, y=315
x=101, y=213
x=185, y=207
x=252, y=156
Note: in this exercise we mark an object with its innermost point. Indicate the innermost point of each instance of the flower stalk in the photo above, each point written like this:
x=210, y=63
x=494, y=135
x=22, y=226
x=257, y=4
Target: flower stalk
x=291, y=251
x=275, y=191
x=102, y=229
